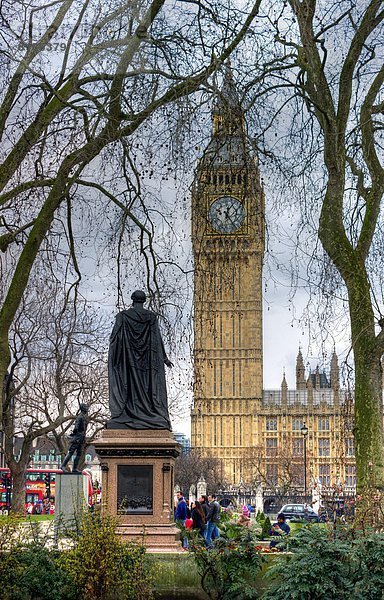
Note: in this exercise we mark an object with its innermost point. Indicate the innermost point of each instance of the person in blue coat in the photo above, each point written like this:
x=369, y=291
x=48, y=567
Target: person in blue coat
x=279, y=529
x=181, y=514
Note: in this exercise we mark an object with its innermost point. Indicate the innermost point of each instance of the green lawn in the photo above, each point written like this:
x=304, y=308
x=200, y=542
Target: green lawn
x=29, y=518
x=40, y=517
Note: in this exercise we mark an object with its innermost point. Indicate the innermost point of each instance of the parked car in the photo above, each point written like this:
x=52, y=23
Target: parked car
x=299, y=511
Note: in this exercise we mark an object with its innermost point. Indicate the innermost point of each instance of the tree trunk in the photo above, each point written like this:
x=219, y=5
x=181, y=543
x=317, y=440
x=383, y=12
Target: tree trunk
x=17, y=468
x=5, y=359
x=18, y=492
x=368, y=431
x=367, y=351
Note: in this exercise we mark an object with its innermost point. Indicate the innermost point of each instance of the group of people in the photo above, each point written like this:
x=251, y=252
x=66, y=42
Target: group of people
x=41, y=507
x=203, y=516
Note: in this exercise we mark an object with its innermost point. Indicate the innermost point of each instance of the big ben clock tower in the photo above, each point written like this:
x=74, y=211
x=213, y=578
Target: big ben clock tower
x=228, y=247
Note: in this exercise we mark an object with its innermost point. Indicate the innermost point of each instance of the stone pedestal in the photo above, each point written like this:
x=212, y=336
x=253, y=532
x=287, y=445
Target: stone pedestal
x=137, y=485
x=71, y=499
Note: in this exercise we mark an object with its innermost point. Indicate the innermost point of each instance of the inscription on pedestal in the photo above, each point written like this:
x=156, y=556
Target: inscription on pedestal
x=135, y=489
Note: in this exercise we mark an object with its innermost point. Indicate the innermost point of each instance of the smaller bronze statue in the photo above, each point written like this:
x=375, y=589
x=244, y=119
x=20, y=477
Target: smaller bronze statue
x=78, y=440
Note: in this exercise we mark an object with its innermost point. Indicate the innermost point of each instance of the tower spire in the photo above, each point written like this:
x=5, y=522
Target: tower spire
x=227, y=112
x=284, y=385
x=334, y=371
x=300, y=372
x=284, y=388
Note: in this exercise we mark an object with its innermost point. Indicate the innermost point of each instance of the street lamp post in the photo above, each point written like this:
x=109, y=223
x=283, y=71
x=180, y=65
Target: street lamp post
x=304, y=433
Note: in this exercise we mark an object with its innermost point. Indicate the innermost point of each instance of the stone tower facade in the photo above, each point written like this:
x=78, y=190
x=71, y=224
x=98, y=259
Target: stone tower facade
x=228, y=247
x=256, y=433
x=318, y=402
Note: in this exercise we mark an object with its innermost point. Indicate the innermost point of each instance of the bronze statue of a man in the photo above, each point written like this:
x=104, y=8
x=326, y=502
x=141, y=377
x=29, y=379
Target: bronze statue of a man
x=137, y=388
x=77, y=440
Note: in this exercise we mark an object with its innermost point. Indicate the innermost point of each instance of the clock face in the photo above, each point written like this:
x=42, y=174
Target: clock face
x=226, y=214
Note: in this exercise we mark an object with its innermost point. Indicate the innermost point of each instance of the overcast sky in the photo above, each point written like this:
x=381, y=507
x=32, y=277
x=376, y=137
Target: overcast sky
x=284, y=329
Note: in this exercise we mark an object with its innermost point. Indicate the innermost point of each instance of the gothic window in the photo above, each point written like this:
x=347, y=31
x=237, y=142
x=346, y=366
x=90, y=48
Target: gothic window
x=271, y=424
x=350, y=475
x=239, y=179
x=323, y=423
x=349, y=446
x=233, y=377
x=297, y=423
x=271, y=447
x=221, y=178
x=233, y=178
x=214, y=179
x=324, y=447
x=297, y=447
x=348, y=423
x=227, y=179
x=325, y=475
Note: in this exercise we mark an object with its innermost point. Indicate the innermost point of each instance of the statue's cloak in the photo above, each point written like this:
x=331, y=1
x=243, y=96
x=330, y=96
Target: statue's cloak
x=137, y=387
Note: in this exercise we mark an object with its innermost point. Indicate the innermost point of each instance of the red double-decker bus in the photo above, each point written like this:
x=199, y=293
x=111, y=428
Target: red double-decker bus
x=39, y=490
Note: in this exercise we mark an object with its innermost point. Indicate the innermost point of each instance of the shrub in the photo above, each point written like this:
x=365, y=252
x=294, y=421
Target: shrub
x=266, y=528
x=369, y=558
x=98, y=565
x=226, y=516
x=40, y=576
x=28, y=568
x=260, y=517
x=329, y=564
x=10, y=543
x=229, y=569
x=105, y=567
